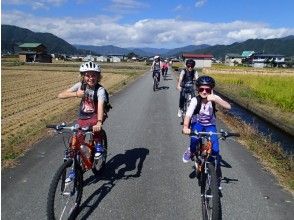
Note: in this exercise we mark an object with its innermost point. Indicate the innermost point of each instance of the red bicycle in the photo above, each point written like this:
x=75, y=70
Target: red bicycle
x=66, y=188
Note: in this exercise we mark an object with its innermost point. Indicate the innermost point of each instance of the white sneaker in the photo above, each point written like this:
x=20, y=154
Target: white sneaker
x=97, y=155
x=179, y=113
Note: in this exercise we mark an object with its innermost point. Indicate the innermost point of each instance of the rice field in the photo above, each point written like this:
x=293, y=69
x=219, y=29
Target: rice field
x=270, y=90
x=29, y=98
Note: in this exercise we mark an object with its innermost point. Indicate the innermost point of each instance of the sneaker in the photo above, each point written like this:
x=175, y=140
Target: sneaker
x=98, y=150
x=187, y=156
x=179, y=113
x=71, y=177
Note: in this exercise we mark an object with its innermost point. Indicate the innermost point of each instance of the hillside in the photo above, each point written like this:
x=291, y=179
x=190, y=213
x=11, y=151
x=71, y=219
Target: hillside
x=284, y=46
x=12, y=36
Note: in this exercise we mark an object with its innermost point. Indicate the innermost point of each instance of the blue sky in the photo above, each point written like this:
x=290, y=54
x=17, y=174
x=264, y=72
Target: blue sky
x=160, y=24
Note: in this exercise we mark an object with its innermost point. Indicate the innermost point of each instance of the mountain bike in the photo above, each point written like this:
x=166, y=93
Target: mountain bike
x=155, y=80
x=66, y=188
x=208, y=173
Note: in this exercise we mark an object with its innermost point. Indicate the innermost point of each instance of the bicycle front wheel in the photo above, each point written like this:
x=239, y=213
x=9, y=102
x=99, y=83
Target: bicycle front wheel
x=64, y=197
x=210, y=200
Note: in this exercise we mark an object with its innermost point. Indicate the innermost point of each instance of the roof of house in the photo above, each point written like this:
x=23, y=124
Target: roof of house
x=247, y=53
x=30, y=45
x=268, y=55
x=191, y=55
x=233, y=55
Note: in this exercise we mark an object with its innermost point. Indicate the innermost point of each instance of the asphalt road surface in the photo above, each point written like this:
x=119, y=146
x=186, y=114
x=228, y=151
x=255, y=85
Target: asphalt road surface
x=145, y=177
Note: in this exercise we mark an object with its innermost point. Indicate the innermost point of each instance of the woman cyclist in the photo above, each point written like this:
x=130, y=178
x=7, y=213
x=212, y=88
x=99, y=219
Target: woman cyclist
x=186, y=83
x=156, y=67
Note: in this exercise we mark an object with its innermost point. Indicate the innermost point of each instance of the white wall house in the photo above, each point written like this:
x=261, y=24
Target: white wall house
x=233, y=59
x=268, y=60
x=88, y=58
x=101, y=59
x=202, y=60
x=115, y=59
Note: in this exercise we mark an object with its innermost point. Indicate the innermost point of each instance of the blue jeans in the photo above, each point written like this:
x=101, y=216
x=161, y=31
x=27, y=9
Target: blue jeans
x=194, y=142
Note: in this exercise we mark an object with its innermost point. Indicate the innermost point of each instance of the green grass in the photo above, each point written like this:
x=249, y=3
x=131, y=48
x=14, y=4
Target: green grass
x=275, y=90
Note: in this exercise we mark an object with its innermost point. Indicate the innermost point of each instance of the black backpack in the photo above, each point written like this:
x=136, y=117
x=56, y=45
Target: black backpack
x=198, y=106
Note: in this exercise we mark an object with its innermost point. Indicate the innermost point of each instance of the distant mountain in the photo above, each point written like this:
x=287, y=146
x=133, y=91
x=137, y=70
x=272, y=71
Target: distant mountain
x=185, y=49
x=12, y=36
x=151, y=51
x=283, y=46
x=110, y=49
x=104, y=50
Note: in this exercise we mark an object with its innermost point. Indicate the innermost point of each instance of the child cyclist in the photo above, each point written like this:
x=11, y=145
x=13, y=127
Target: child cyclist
x=204, y=119
x=93, y=98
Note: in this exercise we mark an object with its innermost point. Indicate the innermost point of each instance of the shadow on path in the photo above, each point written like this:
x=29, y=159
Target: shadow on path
x=116, y=169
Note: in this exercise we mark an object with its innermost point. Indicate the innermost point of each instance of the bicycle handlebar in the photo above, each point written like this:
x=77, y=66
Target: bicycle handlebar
x=223, y=134
x=74, y=128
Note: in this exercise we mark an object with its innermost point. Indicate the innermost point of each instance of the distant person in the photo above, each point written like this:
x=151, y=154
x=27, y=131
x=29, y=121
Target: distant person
x=93, y=101
x=187, y=80
x=156, y=67
x=164, y=68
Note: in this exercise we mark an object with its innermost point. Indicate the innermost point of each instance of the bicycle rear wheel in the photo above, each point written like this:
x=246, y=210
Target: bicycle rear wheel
x=64, y=198
x=210, y=200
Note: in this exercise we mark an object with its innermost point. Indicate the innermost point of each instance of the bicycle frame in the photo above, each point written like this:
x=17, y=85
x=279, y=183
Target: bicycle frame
x=206, y=165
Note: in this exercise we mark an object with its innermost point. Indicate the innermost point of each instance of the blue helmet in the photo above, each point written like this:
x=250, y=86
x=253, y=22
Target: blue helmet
x=205, y=81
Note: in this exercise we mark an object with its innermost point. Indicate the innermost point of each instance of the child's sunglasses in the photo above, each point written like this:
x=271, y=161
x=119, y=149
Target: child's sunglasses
x=208, y=90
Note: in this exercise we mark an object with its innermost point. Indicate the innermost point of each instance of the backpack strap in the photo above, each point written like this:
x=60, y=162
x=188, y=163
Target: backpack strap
x=95, y=93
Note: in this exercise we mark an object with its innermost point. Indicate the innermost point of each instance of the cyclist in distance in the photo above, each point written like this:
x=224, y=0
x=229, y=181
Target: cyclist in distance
x=186, y=80
x=201, y=115
x=156, y=67
x=164, y=67
x=93, y=97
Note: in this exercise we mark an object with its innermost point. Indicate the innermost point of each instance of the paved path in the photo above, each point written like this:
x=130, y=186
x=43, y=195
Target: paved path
x=145, y=177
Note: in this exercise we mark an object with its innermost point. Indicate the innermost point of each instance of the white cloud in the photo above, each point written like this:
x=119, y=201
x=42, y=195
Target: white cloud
x=104, y=30
x=199, y=3
x=35, y=4
x=125, y=6
x=178, y=7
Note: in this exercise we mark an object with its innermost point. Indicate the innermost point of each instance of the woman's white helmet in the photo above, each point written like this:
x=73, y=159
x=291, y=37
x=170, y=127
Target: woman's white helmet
x=90, y=66
x=156, y=58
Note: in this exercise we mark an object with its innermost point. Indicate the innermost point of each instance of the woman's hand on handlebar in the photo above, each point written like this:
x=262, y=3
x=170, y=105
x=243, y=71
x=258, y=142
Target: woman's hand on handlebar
x=186, y=130
x=97, y=127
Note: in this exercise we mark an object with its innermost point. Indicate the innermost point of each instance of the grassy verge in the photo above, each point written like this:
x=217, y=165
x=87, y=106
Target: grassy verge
x=270, y=154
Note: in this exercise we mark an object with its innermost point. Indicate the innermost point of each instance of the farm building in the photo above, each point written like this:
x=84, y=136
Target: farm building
x=202, y=60
x=267, y=60
x=34, y=52
x=101, y=59
x=232, y=59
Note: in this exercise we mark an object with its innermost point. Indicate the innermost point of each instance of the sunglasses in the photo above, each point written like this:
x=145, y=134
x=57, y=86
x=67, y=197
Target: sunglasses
x=90, y=75
x=208, y=90
x=189, y=66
